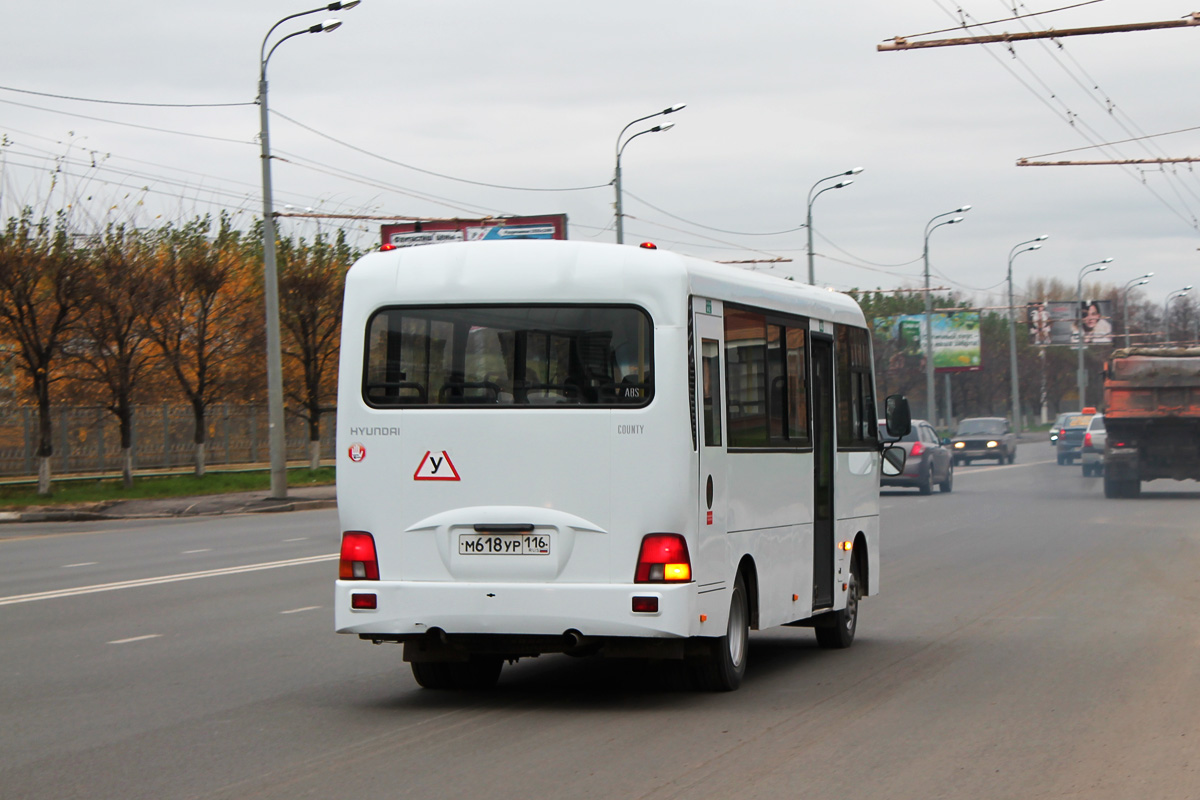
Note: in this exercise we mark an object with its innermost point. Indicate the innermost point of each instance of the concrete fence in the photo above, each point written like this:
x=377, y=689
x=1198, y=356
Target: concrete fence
x=88, y=439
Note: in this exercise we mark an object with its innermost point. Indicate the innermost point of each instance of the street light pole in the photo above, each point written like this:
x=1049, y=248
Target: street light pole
x=276, y=439
x=1166, y=310
x=1080, y=375
x=1012, y=328
x=930, y=398
x=808, y=221
x=620, y=148
x=1142, y=281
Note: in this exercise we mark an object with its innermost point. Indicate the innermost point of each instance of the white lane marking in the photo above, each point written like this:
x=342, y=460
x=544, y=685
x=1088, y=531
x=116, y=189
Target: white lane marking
x=81, y=564
x=298, y=610
x=201, y=550
x=185, y=576
x=136, y=638
x=297, y=539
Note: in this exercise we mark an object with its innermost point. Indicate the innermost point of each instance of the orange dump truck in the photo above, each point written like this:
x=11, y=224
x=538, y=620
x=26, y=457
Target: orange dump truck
x=1152, y=399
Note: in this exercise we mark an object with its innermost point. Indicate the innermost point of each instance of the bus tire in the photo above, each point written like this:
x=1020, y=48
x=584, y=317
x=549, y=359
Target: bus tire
x=722, y=668
x=840, y=634
x=480, y=672
x=432, y=674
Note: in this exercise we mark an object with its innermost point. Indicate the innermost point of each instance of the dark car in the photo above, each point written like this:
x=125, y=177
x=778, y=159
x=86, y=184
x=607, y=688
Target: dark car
x=984, y=437
x=1070, y=436
x=929, y=461
x=1056, y=428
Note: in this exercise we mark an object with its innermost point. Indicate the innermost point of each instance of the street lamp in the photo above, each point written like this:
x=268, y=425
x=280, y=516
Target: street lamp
x=1012, y=326
x=1142, y=281
x=1080, y=375
x=276, y=439
x=931, y=401
x=811, y=198
x=622, y=142
x=1166, y=310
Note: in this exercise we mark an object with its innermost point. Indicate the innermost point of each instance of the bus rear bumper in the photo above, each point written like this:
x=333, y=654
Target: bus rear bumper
x=404, y=609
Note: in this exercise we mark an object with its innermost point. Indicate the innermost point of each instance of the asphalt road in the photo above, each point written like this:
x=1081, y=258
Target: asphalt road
x=1032, y=639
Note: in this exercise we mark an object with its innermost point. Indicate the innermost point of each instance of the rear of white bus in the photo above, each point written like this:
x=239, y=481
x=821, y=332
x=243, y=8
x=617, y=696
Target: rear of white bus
x=515, y=465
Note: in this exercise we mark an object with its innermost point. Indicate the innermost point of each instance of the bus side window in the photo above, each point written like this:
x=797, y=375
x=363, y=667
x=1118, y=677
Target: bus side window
x=797, y=387
x=747, y=382
x=710, y=356
x=855, y=397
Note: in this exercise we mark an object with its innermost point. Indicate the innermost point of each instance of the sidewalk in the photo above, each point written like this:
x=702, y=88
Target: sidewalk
x=301, y=498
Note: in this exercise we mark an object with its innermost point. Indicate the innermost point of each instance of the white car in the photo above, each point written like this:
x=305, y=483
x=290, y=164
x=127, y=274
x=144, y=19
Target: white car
x=1091, y=453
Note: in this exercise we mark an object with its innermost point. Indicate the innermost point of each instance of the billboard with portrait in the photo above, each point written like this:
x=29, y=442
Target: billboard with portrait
x=1060, y=321
x=955, y=339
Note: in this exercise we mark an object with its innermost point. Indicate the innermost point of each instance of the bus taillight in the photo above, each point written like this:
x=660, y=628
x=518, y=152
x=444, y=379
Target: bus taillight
x=358, y=561
x=663, y=559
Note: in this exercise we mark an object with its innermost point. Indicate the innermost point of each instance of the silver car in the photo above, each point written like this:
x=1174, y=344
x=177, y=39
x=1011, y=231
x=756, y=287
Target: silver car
x=1091, y=453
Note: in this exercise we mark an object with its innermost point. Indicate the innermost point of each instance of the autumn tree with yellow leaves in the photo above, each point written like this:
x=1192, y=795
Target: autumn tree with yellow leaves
x=42, y=297
x=204, y=314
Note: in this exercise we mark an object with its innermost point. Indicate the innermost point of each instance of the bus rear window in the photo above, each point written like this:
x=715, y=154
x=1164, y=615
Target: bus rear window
x=568, y=355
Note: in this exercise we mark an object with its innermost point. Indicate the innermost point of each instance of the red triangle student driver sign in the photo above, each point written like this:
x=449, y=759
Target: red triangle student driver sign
x=436, y=467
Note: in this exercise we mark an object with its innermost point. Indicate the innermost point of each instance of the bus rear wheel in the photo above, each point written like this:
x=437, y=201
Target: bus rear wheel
x=480, y=672
x=722, y=668
x=840, y=634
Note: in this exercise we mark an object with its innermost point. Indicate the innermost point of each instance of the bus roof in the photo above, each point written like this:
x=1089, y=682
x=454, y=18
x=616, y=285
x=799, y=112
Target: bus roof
x=546, y=271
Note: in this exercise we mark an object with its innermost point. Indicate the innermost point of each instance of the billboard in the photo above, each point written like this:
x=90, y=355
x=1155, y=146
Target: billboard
x=1059, y=322
x=955, y=338
x=412, y=234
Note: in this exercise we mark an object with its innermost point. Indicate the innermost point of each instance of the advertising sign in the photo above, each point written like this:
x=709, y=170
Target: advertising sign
x=1059, y=322
x=412, y=234
x=955, y=338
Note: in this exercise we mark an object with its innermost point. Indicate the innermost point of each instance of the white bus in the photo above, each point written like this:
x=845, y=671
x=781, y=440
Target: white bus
x=565, y=447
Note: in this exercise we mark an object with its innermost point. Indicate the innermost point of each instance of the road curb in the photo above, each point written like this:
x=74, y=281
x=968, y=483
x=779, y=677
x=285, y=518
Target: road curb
x=81, y=515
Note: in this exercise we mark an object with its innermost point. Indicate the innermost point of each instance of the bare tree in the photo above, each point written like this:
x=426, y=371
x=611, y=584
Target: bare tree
x=41, y=298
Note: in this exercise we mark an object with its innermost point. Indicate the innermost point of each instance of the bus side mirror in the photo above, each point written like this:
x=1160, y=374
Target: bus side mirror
x=894, y=458
x=899, y=418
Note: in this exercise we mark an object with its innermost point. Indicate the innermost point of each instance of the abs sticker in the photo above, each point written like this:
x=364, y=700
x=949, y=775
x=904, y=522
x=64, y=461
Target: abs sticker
x=357, y=452
x=436, y=467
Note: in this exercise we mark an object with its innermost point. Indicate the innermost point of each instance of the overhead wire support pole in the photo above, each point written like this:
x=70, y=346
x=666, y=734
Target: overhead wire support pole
x=276, y=411
x=902, y=43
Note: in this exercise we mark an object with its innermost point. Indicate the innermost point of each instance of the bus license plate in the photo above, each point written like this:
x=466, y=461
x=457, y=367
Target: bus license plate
x=503, y=544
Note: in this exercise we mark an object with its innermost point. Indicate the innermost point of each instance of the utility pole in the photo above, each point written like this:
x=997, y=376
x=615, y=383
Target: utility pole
x=902, y=43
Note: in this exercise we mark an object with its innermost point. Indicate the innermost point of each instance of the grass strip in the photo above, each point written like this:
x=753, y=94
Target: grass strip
x=150, y=487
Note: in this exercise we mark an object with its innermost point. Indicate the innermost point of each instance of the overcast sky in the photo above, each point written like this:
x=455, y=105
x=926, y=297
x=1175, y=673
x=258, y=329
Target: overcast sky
x=532, y=94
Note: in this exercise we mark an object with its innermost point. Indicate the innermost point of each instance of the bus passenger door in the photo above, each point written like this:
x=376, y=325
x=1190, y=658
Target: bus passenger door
x=710, y=418
x=823, y=463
